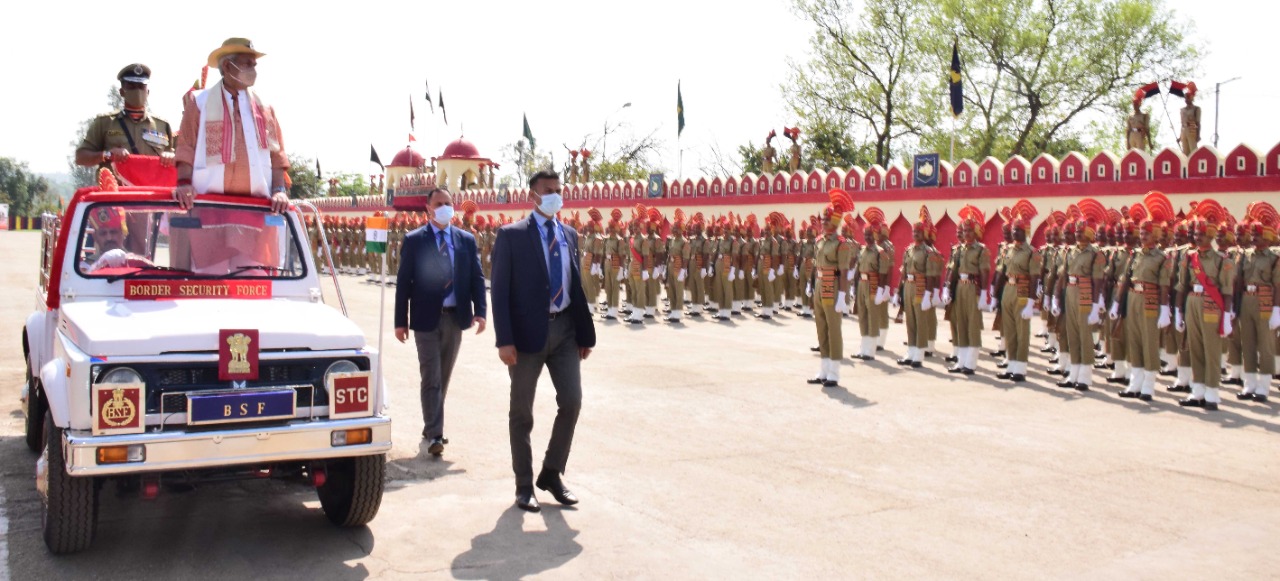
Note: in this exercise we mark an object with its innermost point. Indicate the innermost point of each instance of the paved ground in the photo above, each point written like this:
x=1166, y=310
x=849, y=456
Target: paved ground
x=701, y=453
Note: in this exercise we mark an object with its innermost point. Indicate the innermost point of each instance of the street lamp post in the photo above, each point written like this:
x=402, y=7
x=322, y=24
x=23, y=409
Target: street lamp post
x=1216, y=89
x=604, y=147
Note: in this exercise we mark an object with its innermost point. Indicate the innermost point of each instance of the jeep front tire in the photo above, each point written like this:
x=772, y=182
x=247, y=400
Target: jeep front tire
x=70, y=507
x=352, y=491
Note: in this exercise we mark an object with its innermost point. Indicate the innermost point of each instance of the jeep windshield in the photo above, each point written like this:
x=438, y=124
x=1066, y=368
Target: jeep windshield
x=150, y=240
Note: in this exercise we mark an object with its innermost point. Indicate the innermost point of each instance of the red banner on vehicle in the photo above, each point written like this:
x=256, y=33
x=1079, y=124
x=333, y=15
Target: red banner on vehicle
x=147, y=290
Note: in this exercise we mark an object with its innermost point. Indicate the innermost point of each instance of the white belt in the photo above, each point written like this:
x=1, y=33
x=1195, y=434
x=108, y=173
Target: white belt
x=1197, y=288
x=1139, y=287
x=911, y=277
x=1072, y=279
x=1253, y=288
x=964, y=276
x=866, y=276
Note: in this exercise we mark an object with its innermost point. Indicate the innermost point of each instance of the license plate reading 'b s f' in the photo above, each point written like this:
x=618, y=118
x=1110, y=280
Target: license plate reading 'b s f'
x=240, y=406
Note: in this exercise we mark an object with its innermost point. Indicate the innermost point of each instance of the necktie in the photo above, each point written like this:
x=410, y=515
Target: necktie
x=555, y=271
x=443, y=247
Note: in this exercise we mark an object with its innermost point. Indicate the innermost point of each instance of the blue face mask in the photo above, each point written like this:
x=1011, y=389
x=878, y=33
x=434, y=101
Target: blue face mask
x=550, y=204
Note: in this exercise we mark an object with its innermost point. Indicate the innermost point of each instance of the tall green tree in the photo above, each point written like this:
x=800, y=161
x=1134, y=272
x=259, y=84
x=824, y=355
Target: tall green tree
x=302, y=173
x=26, y=193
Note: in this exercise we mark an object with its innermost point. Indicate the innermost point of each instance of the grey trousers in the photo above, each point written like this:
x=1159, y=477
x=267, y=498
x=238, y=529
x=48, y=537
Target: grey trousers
x=437, y=352
x=560, y=356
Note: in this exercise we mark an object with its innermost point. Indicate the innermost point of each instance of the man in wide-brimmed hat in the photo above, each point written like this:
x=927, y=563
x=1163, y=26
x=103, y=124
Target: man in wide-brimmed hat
x=230, y=141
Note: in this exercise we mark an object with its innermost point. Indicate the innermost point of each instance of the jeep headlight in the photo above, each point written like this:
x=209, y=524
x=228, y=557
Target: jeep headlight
x=340, y=366
x=121, y=375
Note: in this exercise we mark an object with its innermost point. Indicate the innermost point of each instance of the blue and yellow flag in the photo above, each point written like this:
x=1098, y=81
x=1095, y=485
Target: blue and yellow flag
x=679, y=110
x=955, y=81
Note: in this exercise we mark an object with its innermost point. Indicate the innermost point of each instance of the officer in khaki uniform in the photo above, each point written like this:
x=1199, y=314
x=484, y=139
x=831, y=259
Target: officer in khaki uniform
x=917, y=295
x=1204, y=289
x=592, y=258
x=677, y=267
x=614, y=259
x=806, y=266
x=1080, y=286
x=1022, y=265
x=638, y=272
x=725, y=264
x=1256, y=301
x=1144, y=294
x=768, y=266
x=1233, y=244
x=872, y=279
x=830, y=288
x=697, y=277
x=970, y=278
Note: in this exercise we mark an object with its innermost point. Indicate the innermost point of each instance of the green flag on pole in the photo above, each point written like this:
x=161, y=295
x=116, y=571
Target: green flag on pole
x=679, y=110
x=528, y=133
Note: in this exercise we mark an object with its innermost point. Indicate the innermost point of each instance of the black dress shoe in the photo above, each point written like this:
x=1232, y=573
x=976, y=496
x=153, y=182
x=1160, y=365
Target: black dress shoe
x=862, y=357
x=879, y=349
x=1080, y=387
x=610, y=318
x=1259, y=398
x=968, y=371
x=1210, y=406
x=1191, y=403
x=1005, y=375
x=1000, y=353
x=1244, y=396
x=647, y=316
x=1168, y=372
x=1104, y=365
x=636, y=321
x=1066, y=384
x=1048, y=350
x=526, y=501
x=1233, y=381
x=928, y=353
x=917, y=364
x=1144, y=397
x=1054, y=360
x=1018, y=378
x=1002, y=365
x=1124, y=380
x=696, y=314
x=951, y=359
x=1178, y=389
x=815, y=380
x=1060, y=372
x=904, y=362
x=436, y=448
x=956, y=369
x=830, y=383
x=807, y=315
x=763, y=317
x=550, y=482
x=815, y=349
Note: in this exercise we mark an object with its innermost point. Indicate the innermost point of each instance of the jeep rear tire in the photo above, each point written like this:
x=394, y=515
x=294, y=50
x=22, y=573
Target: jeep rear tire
x=70, y=507
x=352, y=491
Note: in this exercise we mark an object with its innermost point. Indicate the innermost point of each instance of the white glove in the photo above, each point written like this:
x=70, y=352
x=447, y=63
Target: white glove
x=660, y=271
x=1275, y=318
x=1115, y=313
x=983, y=299
x=1028, y=311
x=1165, y=319
x=893, y=301
x=850, y=275
x=808, y=289
x=703, y=273
x=622, y=274
x=842, y=305
x=937, y=298
x=772, y=276
x=1056, y=308
x=680, y=277
x=1226, y=324
x=1180, y=324
x=111, y=259
x=733, y=274
x=779, y=270
x=927, y=302
x=946, y=295
x=1095, y=314
x=795, y=273
x=1039, y=290
x=882, y=295
x=753, y=273
x=644, y=275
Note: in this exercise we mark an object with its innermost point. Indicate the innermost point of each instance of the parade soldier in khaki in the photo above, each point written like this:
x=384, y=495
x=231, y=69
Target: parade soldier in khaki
x=1117, y=266
x=726, y=271
x=1256, y=300
x=830, y=288
x=653, y=261
x=1233, y=242
x=638, y=272
x=737, y=254
x=889, y=256
x=1080, y=286
x=872, y=279
x=677, y=267
x=592, y=270
x=1021, y=271
x=768, y=265
x=1206, y=315
x=806, y=265
x=1063, y=355
x=697, y=279
x=614, y=259
x=1175, y=344
x=1138, y=127
x=790, y=267
x=970, y=278
x=1144, y=290
x=1189, y=139
x=917, y=295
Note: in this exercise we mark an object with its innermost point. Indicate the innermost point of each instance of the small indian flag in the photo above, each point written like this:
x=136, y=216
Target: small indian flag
x=375, y=234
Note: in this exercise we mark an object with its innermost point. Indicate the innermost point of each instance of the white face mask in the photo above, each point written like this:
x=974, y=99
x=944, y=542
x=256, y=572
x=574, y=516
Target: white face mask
x=550, y=204
x=443, y=215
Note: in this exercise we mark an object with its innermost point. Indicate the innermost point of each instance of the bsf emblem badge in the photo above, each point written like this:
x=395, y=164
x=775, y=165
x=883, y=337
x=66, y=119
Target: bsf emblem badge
x=119, y=408
x=238, y=354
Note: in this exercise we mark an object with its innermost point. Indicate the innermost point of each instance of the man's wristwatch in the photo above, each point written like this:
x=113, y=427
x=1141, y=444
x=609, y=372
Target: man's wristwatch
x=280, y=190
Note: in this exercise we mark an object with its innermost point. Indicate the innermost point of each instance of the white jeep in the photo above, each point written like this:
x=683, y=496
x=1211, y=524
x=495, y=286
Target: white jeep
x=193, y=346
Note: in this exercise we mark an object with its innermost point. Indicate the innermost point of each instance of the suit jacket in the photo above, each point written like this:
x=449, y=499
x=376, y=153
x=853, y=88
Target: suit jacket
x=420, y=282
x=522, y=291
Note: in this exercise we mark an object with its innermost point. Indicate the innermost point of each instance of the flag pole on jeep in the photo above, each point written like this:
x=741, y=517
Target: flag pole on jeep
x=375, y=240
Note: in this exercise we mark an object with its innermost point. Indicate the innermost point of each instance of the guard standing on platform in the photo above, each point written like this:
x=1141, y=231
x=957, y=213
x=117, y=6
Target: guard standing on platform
x=830, y=288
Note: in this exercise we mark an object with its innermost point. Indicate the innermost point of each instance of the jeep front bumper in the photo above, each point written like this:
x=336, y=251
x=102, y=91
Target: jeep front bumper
x=179, y=450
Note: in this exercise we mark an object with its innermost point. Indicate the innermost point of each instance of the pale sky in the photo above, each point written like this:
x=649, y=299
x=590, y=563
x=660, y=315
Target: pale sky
x=340, y=75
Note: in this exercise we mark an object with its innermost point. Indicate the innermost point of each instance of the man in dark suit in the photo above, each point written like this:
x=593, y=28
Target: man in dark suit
x=439, y=294
x=542, y=318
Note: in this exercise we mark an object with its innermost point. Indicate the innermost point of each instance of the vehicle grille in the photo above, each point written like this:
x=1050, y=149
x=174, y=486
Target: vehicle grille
x=170, y=383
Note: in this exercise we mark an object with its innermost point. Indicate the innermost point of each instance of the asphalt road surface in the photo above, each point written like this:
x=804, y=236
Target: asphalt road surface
x=701, y=453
